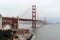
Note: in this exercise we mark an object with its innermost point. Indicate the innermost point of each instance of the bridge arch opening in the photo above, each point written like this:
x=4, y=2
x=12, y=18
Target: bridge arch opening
x=6, y=27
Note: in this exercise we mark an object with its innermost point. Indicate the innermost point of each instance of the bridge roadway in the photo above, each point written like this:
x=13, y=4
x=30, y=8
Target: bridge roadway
x=22, y=19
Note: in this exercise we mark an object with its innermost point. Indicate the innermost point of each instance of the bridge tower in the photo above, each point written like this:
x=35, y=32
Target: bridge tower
x=34, y=16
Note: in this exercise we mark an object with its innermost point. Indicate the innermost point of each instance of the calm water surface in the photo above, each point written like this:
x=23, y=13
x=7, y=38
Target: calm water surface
x=47, y=32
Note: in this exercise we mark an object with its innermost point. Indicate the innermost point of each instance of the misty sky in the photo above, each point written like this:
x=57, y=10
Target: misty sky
x=45, y=8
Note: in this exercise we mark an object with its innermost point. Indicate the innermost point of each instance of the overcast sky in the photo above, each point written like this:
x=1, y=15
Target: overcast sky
x=45, y=8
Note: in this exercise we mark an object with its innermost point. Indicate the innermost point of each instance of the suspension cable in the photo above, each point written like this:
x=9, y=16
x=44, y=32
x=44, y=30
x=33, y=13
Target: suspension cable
x=22, y=12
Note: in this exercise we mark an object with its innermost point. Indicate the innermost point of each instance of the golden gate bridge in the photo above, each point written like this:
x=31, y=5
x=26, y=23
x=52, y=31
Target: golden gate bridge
x=14, y=21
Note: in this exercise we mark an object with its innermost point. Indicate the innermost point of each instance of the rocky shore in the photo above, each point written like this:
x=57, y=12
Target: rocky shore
x=16, y=34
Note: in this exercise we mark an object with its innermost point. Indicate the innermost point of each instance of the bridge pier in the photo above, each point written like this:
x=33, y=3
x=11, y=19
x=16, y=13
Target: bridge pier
x=15, y=23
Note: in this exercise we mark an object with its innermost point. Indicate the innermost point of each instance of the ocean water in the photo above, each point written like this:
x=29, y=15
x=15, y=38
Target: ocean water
x=47, y=32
